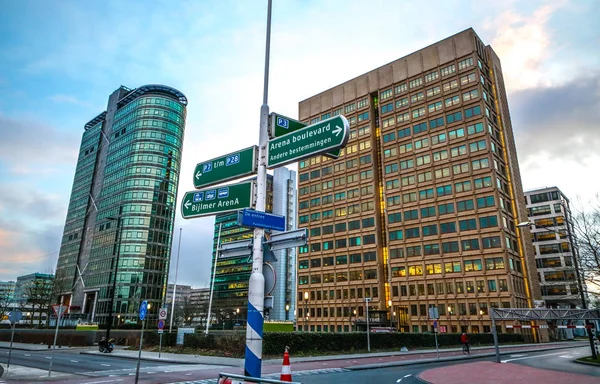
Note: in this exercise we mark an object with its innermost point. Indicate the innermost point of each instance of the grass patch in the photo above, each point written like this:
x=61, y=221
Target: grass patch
x=590, y=360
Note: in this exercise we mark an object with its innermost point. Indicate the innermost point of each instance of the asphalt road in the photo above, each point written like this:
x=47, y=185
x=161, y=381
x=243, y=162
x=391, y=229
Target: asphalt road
x=559, y=360
x=71, y=361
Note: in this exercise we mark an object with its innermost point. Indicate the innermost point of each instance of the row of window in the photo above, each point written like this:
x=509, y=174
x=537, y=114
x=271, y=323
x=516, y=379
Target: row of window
x=447, y=247
x=447, y=227
x=442, y=209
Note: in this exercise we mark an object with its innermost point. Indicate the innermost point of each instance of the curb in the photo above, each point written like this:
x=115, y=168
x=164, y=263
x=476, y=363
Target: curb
x=156, y=359
x=450, y=358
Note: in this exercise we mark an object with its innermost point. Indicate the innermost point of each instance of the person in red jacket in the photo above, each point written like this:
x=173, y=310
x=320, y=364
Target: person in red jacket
x=464, y=340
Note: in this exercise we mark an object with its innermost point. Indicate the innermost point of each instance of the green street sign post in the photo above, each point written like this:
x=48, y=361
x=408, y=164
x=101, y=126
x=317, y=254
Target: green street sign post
x=224, y=168
x=308, y=142
x=280, y=125
x=221, y=199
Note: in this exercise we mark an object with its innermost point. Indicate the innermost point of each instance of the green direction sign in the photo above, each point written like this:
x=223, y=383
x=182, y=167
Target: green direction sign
x=210, y=201
x=280, y=125
x=232, y=166
x=308, y=142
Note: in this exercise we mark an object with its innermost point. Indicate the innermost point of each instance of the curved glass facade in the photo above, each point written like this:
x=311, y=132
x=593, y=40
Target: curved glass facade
x=132, y=205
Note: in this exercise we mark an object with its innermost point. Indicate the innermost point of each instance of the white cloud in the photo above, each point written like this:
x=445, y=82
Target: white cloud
x=524, y=43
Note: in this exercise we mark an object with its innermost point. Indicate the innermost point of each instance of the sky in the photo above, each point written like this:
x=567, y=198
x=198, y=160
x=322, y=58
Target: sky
x=60, y=60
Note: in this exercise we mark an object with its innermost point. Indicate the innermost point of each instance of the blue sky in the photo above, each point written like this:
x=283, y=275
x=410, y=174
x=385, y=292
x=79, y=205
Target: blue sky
x=59, y=61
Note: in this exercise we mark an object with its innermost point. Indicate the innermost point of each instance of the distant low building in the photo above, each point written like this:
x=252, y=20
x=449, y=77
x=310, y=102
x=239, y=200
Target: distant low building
x=7, y=290
x=26, y=283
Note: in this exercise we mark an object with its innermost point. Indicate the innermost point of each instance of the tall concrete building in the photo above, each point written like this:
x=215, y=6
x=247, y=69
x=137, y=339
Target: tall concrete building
x=549, y=214
x=233, y=274
x=420, y=210
x=122, y=205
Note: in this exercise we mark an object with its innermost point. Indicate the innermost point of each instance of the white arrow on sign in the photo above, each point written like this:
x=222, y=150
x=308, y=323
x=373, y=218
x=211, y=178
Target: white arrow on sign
x=187, y=204
x=198, y=175
x=337, y=130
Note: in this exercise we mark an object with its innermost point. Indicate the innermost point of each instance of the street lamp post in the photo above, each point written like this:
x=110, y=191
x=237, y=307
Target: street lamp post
x=287, y=312
x=306, y=310
x=354, y=311
x=391, y=312
x=450, y=319
x=577, y=274
x=116, y=268
x=367, y=301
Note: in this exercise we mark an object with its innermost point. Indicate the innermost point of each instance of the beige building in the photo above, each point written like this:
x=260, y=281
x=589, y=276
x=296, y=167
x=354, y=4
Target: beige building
x=420, y=210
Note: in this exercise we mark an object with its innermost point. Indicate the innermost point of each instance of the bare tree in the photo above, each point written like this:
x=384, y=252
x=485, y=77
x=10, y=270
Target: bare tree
x=38, y=294
x=4, y=304
x=587, y=232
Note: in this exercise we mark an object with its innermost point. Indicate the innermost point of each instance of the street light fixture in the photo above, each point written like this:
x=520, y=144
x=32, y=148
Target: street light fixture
x=450, y=319
x=287, y=311
x=116, y=268
x=577, y=274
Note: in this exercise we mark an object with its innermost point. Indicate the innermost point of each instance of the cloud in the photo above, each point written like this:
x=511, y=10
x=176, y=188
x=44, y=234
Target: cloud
x=524, y=43
x=69, y=99
x=557, y=136
x=560, y=120
x=32, y=147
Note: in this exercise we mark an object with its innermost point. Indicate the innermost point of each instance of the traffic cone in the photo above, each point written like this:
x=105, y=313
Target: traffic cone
x=286, y=369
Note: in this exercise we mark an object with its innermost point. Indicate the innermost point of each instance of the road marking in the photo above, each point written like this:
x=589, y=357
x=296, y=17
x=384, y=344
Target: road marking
x=566, y=356
x=517, y=355
x=530, y=357
x=27, y=354
x=188, y=374
x=105, y=365
x=405, y=376
x=74, y=361
x=48, y=357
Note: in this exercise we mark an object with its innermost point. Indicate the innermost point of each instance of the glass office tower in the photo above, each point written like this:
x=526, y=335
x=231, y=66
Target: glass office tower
x=122, y=205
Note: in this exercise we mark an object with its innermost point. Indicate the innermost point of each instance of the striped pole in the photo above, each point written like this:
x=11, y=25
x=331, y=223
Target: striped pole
x=256, y=286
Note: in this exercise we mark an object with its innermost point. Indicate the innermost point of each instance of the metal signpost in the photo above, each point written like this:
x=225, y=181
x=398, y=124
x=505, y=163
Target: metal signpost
x=434, y=314
x=143, y=313
x=280, y=125
x=300, y=142
x=229, y=167
x=59, y=310
x=14, y=318
x=208, y=202
x=162, y=315
x=307, y=142
x=256, y=219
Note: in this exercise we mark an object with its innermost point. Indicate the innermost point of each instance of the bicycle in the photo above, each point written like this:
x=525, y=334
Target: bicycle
x=465, y=349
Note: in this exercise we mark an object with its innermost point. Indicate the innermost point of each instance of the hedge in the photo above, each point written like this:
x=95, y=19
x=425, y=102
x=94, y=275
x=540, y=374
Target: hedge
x=274, y=343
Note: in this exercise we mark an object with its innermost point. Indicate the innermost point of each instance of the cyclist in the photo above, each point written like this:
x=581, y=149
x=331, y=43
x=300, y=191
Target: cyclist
x=464, y=340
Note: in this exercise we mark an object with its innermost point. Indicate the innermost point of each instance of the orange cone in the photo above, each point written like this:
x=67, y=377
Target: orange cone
x=286, y=369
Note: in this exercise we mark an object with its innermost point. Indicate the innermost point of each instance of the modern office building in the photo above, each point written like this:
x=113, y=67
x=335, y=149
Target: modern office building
x=122, y=205
x=420, y=209
x=7, y=291
x=233, y=274
x=549, y=212
x=34, y=286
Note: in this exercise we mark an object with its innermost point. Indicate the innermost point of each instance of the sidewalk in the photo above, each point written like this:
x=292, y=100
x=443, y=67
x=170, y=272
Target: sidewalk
x=38, y=347
x=493, y=373
x=239, y=362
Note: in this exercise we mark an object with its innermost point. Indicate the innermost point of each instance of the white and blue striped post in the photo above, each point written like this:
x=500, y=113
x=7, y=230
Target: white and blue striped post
x=256, y=287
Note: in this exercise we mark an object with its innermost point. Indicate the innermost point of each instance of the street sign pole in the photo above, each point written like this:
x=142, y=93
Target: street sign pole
x=143, y=313
x=14, y=317
x=58, y=310
x=256, y=286
x=12, y=336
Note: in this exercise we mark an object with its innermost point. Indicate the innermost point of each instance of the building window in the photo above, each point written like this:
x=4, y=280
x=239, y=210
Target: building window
x=470, y=245
x=386, y=94
x=415, y=83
